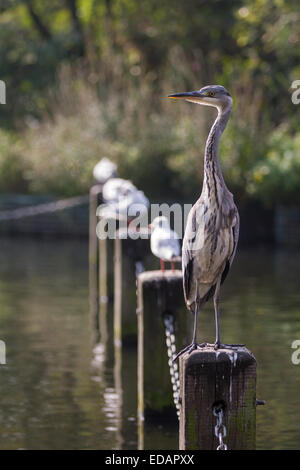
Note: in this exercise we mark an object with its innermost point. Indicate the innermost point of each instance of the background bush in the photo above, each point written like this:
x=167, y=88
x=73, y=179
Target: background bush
x=89, y=79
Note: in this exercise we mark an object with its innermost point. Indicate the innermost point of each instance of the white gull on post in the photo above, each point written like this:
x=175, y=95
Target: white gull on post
x=164, y=242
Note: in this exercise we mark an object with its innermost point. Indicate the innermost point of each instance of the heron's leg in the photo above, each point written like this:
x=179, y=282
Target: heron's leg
x=217, y=314
x=218, y=343
x=172, y=266
x=195, y=324
x=162, y=265
x=194, y=345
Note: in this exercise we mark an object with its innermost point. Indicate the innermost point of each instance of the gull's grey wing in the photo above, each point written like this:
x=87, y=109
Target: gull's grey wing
x=169, y=248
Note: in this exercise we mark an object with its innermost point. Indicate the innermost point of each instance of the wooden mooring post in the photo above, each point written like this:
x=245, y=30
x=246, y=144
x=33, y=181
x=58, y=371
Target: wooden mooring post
x=158, y=294
x=102, y=270
x=118, y=291
x=94, y=199
x=100, y=266
x=130, y=250
x=225, y=379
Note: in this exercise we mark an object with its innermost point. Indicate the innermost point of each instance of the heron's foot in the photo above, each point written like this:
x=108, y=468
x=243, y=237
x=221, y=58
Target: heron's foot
x=218, y=345
x=190, y=348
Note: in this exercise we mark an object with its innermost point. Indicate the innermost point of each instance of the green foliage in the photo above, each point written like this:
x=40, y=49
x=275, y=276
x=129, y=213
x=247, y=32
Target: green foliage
x=12, y=165
x=87, y=79
x=276, y=177
x=60, y=151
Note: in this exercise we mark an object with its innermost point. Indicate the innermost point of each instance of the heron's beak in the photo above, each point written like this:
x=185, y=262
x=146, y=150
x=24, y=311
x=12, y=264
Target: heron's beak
x=188, y=95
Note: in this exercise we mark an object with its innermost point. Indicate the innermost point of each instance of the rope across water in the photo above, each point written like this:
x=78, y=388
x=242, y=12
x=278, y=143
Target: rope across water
x=43, y=208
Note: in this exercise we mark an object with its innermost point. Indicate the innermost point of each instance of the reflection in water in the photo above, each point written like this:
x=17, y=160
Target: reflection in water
x=118, y=395
x=98, y=312
x=66, y=387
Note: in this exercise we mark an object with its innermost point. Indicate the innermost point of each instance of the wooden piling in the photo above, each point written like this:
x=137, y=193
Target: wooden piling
x=95, y=193
x=158, y=293
x=103, y=291
x=94, y=197
x=118, y=291
x=226, y=377
x=129, y=249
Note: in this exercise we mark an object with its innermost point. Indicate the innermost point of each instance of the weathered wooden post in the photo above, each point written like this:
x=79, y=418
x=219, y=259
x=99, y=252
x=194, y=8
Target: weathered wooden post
x=118, y=291
x=217, y=380
x=94, y=200
x=130, y=248
x=158, y=294
x=103, y=289
x=95, y=193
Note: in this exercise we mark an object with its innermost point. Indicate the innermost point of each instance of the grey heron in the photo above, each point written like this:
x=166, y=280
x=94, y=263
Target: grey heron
x=164, y=242
x=212, y=229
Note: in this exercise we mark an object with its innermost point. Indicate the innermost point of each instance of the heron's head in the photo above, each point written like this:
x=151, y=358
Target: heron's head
x=211, y=95
x=161, y=222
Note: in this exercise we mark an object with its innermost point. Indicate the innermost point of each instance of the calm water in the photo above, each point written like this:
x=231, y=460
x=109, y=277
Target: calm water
x=57, y=391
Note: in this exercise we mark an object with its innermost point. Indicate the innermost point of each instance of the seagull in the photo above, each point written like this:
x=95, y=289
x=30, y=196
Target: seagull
x=164, y=242
x=104, y=170
x=123, y=201
x=115, y=189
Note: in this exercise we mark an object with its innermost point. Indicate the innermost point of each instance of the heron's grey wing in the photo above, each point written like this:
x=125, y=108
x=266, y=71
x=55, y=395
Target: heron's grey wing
x=235, y=235
x=187, y=271
x=188, y=254
x=209, y=247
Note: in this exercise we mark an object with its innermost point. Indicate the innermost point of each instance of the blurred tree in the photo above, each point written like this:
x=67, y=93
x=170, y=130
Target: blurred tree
x=131, y=54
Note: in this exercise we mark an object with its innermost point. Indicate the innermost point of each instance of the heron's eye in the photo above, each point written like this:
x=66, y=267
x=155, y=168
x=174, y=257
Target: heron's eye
x=211, y=93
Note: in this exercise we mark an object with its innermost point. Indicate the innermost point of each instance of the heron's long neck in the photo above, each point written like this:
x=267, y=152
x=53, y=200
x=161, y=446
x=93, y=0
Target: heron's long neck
x=213, y=179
